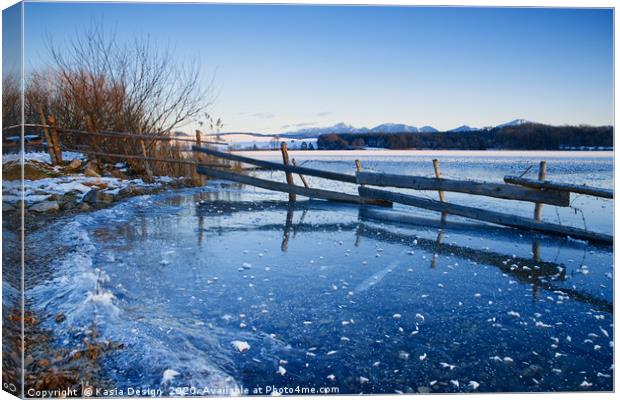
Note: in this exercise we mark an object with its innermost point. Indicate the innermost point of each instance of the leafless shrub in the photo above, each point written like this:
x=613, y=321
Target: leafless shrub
x=11, y=101
x=131, y=87
x=97, y=83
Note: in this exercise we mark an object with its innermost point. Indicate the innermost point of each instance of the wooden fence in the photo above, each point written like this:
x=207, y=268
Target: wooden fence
x=498, y=190
x=129, y=146
x=540, y=191
x=485, y=215
x=515, y=188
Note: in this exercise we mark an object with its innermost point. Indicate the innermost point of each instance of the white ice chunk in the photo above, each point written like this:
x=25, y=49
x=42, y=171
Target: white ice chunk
x=168, y=376
x=240, y=346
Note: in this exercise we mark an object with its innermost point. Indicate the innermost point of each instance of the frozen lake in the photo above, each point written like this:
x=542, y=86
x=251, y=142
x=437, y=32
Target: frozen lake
x=328, y=300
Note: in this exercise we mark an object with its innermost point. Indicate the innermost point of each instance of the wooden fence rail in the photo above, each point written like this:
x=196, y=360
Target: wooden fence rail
x=497, y=190
x=287, y=188
x=279, y=167
x=486, y=215
x=106, y=133
x=370, y=196
x=559, y=186
x=141, y=157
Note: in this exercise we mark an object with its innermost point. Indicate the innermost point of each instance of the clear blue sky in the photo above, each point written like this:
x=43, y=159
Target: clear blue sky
x=281, y=66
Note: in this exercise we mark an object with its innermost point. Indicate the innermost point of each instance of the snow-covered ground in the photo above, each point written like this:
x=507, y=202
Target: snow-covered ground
x=41, y=156
x=49, y=193
x=42, y=189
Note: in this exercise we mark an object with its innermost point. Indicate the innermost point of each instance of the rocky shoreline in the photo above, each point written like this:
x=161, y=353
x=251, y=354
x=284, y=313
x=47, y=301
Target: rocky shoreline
x=76, y=187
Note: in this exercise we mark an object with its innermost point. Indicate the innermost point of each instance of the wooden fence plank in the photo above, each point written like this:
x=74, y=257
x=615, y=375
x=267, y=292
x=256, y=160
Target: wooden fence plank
x=140, y=157
x=55, y=139
x=289, y=176
x=276, y=166
x=565, y=187
x=542, y=174
x=286, y=188
x=437, y=169
x=486, y=215
x=48, y=137
x=498, y=190
x=303, y=178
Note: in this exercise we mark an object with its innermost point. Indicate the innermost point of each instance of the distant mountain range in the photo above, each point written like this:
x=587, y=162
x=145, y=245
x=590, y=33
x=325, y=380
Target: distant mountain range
x=513, y=135
x=385, y=128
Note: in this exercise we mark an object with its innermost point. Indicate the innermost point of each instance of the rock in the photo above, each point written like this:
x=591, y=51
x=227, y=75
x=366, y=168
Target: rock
x=74, y=165
x=45, y=206
x=118, y=174
x=135, y=190
x=60, y=317
x=33, y=170
x=105, y=197
x=91, y=171
x=44, y=363
x=68, y=204
x=84, y=207
x=90, y=197
x=97, y=184
x=95, y=196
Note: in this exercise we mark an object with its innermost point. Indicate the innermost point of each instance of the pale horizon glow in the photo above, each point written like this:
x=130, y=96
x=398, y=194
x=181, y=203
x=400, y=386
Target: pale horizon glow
x=283, y=68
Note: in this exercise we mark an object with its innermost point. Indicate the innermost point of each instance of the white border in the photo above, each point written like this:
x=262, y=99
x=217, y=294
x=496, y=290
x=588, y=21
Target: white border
x=479, y=3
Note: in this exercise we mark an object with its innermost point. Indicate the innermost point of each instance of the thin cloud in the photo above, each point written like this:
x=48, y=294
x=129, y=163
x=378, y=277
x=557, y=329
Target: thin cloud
x=324, y=114
x=299, y=125
x=263, y=115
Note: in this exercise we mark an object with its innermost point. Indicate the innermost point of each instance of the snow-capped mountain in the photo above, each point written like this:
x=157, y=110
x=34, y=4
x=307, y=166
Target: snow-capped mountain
x=514, y=122
x=467, y=128
x=394, y=128
x=464, y=128
x=386, y=128
x=428, y=129
x=345, y=128
x=315, y=132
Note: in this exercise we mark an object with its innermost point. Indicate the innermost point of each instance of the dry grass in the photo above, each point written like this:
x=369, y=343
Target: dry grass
x=47, y=366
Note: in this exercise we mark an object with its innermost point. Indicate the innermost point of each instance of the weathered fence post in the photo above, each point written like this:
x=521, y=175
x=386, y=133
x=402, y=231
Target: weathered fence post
x=199, y=159
x=442, y=196
x=48, y=138
x=147, y=166
x=55, y=139
x=542, y=173
x=289, y=175
x=303, y=179
x=198, y=143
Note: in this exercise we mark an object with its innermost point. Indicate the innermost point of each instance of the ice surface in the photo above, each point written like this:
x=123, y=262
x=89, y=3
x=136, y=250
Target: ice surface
x=183, y=316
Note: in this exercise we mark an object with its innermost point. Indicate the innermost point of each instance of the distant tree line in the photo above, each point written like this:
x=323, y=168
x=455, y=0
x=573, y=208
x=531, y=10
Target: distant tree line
x=528, y=136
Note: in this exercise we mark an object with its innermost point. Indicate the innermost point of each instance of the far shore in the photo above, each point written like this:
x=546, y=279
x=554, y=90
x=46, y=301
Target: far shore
x=447, y=153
